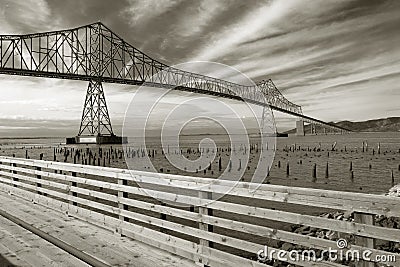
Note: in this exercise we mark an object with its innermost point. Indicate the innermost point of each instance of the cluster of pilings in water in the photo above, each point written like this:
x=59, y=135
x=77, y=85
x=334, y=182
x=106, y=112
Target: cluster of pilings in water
x=375, y=151
x=219, y=157
x=100, y=156
x=324, y=167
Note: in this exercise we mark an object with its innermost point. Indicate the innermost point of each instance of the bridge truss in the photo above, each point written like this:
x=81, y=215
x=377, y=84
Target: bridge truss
x=96, y=54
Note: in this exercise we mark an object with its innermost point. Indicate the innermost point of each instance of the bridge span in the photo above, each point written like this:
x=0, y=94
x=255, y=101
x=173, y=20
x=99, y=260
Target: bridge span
x=96, y=54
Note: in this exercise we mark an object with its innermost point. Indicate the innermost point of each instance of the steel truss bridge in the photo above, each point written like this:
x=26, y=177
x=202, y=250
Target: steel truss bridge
x=96, y=54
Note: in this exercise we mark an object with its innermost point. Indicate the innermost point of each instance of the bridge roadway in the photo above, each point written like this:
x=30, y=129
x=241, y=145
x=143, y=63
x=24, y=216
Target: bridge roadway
x=100, y=247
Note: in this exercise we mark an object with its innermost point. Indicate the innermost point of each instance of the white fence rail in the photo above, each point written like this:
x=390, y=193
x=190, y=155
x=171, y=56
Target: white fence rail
x=225, y=232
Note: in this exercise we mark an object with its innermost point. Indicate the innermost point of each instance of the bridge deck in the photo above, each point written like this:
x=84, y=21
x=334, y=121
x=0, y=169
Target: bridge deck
x=21, y=247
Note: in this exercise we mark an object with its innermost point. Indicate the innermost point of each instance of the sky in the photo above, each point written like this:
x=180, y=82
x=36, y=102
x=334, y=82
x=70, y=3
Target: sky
x=339, y=60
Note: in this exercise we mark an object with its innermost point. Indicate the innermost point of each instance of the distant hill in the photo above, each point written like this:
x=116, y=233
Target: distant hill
x=378, y=125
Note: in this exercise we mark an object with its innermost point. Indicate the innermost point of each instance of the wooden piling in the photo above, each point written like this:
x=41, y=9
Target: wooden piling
x=287, y=169
x=334, y=146
x=392, y=176
x=314, y=173
x=327, y=170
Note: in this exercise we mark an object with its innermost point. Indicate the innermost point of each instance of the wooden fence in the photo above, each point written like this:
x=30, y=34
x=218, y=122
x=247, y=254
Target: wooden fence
x=227, y=231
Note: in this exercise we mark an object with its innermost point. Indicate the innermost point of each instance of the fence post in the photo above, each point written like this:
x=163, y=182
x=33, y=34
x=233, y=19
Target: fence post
x=121, y=206
x=14, y=172
x=39, y=176
x=368, y=219
x=203, y=226
x=71, y=193
x=163, y=216
x=1, y=163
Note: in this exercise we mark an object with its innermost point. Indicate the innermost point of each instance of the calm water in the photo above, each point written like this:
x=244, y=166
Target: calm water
x=372, y=169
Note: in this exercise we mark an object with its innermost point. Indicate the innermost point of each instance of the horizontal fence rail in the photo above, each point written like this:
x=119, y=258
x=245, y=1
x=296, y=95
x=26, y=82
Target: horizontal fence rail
x=220, y=222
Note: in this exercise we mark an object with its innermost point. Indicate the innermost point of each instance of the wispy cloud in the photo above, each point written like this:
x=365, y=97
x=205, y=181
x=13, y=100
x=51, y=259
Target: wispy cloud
x=254, y=21
x=198, y=17
x=25, y=16
x=141, y=12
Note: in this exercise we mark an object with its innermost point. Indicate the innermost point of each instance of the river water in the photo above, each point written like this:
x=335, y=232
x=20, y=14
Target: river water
x=350, y=167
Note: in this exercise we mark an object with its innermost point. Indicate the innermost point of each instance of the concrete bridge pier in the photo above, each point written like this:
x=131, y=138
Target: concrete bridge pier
x=300, y=128
x=312, y=129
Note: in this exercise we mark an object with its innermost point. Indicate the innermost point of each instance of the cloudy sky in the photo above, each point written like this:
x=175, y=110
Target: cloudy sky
x=339, y=60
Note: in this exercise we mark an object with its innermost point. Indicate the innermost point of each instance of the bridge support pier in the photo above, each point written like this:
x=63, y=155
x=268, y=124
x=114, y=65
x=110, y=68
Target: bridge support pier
x=300, y=128
x=95, y=123
x=312, y=128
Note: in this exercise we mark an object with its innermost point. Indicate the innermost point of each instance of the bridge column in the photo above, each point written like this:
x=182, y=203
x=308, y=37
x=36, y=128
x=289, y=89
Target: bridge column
x=95, y=118
x=95, y=123
x=300, y=128
x=312, y=128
